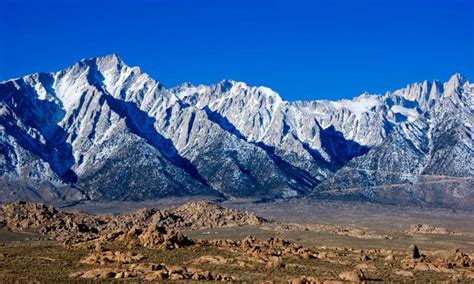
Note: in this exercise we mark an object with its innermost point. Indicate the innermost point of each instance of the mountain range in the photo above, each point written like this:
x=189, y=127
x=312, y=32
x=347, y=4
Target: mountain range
x=102, y=130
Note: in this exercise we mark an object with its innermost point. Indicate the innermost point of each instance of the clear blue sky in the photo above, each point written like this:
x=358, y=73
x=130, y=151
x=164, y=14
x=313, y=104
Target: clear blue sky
x=302, y=49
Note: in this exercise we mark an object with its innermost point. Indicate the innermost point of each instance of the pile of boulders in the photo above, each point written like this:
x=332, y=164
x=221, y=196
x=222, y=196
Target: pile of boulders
x=429, y=229
x=153, y=272
x=334, y=229
x=107, y=257
x=206, y=215
x=460, y=259
x=454, y=259
x=438, y=263
x=304, y=280
x=270, y=252
x=161, y=238
x=153, y=236
x=352, y=276
x=76, y=227
x=25, y=215
x=46, y=220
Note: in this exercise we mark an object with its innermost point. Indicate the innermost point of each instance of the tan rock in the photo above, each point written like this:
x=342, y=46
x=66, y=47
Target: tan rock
x=99, y=273
x=469, y=274
x=92, y=274
x=274, y=262
x=156, y=275
x=211, y=259
x=196, y=276
x=120, y=274
x=404, y=273
x=428, y=229
x=99, y=247
x=176, y=269
x=76, y=274
x=297, y=280
x=176, y=276
x=206, y=275
x=422, y=266
x=461, y=259
x=365, y=267
x=355, y=275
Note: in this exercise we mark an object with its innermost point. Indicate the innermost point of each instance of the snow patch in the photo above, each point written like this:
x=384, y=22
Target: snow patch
x=359, y=105
x=410, y=113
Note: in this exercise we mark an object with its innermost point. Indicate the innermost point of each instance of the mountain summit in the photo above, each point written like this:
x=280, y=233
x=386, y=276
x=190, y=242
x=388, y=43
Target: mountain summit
x=103, y=130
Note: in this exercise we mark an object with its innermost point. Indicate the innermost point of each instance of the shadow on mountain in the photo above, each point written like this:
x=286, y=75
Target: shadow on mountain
x=143, y=125
x=223, y=122
x=300, y=175
x=295, y=173
x=340, y=149
x=43, y=116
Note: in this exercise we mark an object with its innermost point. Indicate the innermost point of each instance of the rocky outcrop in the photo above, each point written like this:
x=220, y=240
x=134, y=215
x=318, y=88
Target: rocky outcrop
x=439, y=261
x=205, y=215
x=352, y=276
x=429, y=229
x=151, y=227
x=334, y=229
x=108, y=257
x=153, y=272
x=160, y=237
x=60, y=225
x=413, y=252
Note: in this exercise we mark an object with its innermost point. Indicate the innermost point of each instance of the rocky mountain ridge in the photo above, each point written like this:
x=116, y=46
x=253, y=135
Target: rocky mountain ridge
x=103, y=130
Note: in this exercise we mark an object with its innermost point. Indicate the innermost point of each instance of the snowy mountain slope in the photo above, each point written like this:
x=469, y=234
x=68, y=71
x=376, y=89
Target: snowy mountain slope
x=316, y=136
x=103, y=130
x=429, y=160
x=78, y=139
x=189, y=134
x=120, y=134
x=19, y=151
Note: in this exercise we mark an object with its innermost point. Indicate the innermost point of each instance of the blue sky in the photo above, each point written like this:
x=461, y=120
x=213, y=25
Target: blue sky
x=321, y=49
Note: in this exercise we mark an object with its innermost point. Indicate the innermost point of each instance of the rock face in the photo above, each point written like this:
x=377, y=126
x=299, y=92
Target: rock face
x=103, y=130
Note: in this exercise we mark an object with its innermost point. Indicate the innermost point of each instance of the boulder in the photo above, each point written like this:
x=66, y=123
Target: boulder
x=355, y=275
x=413, y=252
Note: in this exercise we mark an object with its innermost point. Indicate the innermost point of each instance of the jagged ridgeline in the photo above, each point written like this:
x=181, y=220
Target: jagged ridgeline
x=102, y=130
